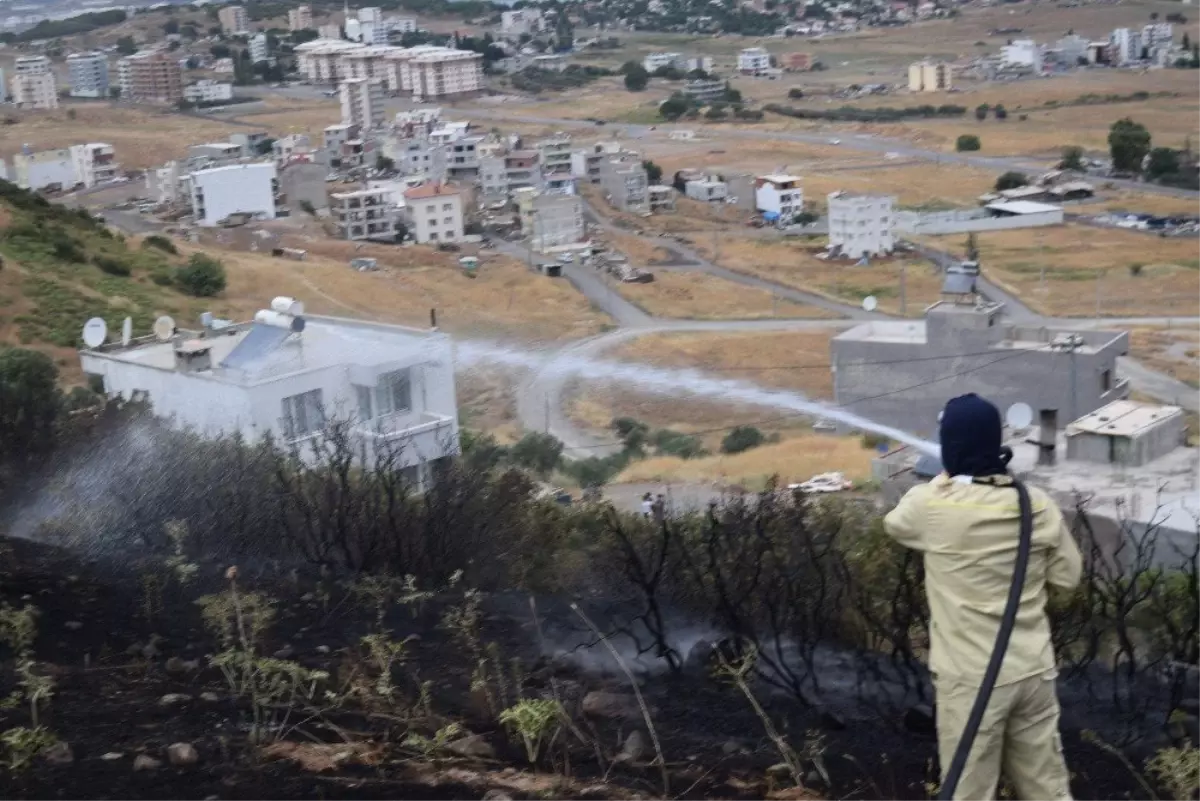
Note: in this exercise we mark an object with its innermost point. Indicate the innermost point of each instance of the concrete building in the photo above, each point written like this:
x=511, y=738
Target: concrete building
x=214, y=154
x=400, y=25
x=1157, y=34
x=1126, y=434
x=521, y=21
x=656, y=61
x=251, y=143
x=362, y=102
x=1071, y=49
x=89, y=74
x=94, y=164
x=522, y=169
x=930, y=76
x=435, y=212
x=164, y=184
x=321, y=59
x=233, y=20
x=446, y=72
x=778, y=196
x=493, y=177
x=302, y=184
x=151, y=78
x=364, y=214
x=48, y=169
x=462, y=158
x=330, y=31
x=33, y=85
x=344, y=146
x=1024, y=53
x=625, y=184
x=660, y=198
x=219, y=192
x=706, y=189
x=300, y=18
x=705, y=90
x=208, y=91
x=551, y=221
x=861, y=225
x=554, y=154
x=753, y=60
x=260, y=48
x=1127, y=46
x=255, y=379
x=418, y=158
x=901, y=373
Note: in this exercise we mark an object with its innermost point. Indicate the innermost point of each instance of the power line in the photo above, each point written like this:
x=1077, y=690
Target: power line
x=781, y=418
x=827, y=365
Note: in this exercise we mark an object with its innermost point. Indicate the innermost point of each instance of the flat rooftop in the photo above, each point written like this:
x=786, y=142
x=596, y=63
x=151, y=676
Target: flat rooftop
x=1124, y=418
x=324, y=342
x=779, y=178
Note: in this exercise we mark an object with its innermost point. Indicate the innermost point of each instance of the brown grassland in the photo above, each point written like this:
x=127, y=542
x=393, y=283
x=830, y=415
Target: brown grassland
x=698, y=296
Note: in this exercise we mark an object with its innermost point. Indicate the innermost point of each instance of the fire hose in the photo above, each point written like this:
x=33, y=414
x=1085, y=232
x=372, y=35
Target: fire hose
x=1025, y=539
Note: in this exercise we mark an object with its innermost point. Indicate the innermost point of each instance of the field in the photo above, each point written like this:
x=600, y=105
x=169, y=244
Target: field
x=1091, y=271
x=697, y=296
x=1173, y=351
x=793, y=263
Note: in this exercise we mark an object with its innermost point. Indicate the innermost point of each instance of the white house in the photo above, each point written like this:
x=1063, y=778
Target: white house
x=778, y=197
x=234, y=189
x=1127, y=45
x=435, y=212
x=259, y=48
x=1024, y=53
x=861, y=225
x=208, y=91
x=287, y=375
x=46, y=169
x=89, y=74
x=94, y=163
x=753, y=60
x=706, y=189
x=656, y=61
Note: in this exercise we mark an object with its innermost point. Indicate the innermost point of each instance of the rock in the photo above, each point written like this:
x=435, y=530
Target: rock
x=1190, y=705
x=832, y=721
x=72, y=625
x=697, y=657
x=604, y=704
x=634, y=747
x=172, y=700
x=134, y=650
x=497, y=795
x=286, y=652
x=181, y=754
x=732, y=747
x=112, y=756
x=210, y=698
x=150, y=651
x=920, y=719
x=473, y=746
x=779, y=770
x=307, y=597
x=322, y=649
x=146, y=762
x=175, y=666
x=813, y=780
x=59, y=754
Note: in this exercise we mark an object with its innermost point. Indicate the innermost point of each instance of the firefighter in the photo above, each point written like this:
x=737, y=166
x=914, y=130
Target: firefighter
x=966, y=523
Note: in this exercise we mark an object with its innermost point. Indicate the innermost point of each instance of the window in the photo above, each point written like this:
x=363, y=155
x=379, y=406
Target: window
x=448, y=221
x=445, y=207
x=433, y=236
x=394, y=393
x=303, y=414
x=363, y=397
x=1106, y=381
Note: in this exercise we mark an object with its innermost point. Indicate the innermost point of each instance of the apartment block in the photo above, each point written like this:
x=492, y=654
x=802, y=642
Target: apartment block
x=656, y=61
x=625, y=184
x=33, y=85
x=778, y=197
x=260, y=49
x=208, y=91
x=446, y=72
x=555, y=155
x=705, y=90
x=753, y=60
x=94, y=163
x=522, y=169
x=521, y=21
x=861, y=225
x=220, y=192
x=435, y=212
x=362, y=102
x=233, y=20
x=930, y=76
x=364, y=214
x=89, y=74
x=300, y=18
x=48, y=169
x=151, y=78
x=550, y=220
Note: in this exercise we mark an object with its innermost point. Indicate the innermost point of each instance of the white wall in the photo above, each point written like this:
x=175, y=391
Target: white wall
x=38, y=173
x=961, y=222
x=233, y=189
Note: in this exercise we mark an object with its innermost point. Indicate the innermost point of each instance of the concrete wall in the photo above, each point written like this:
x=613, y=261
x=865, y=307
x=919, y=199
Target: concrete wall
x=304, y=182
x=959, y=222
x=230, y=190
x=1136, y=451
x=909, y=394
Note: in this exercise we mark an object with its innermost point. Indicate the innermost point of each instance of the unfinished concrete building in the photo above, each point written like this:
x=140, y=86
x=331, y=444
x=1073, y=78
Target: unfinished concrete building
x=902, y=373
x=364, y=214
x=626, y=185
x=1126, y=434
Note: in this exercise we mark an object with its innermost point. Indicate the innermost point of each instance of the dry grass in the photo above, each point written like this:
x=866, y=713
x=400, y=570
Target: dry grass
x=927, y=185
x=794, y=264
x=1173, y=351
x=289, y=116
x=1126, y=200
x=141, y=138
x=698, y=296
x=1073, y=256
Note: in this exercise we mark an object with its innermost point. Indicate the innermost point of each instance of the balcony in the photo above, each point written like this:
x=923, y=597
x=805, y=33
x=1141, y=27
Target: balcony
x=416, y=437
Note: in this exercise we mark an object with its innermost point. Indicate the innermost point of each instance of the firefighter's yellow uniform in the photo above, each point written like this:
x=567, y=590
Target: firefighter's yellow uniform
x=968, y=533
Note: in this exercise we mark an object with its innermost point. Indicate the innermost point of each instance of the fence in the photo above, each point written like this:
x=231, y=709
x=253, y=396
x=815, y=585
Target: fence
x=961, y=222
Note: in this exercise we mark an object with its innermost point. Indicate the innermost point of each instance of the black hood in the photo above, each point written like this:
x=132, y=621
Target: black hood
x=970, y=434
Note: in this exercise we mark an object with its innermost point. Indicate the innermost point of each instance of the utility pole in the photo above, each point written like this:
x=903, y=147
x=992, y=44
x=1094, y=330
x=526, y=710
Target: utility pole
x=1099, y=275
x=903, y=293
x=547, y=402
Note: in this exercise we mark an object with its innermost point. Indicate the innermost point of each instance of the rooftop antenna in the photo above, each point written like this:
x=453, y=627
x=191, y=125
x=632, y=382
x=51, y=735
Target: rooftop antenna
x=869, y=303
x=94, y=331
x=126, y=332
x=164, y=328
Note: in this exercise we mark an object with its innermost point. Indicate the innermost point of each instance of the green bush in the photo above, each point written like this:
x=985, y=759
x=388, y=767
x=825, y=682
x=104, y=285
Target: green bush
x=742, y=438
x=675, y=443
x=161, y=243
x=596, y=471
x=967, y=142
x=202, y=276
x=112, y=265
x=539, y=452
x=871, y=440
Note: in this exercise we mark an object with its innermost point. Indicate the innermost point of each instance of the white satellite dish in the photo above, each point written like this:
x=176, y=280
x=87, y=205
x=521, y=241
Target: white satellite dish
x=126, y=332
x=164, y=328
x=870, y=303
x=1019, y=415
x=94, y=332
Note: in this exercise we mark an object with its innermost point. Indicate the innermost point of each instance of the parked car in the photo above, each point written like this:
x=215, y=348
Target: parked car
x=825, y=482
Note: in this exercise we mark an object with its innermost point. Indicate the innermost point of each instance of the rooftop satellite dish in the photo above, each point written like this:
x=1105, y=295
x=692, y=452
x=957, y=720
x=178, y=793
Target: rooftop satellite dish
x=94, y=331
x=164, y=328
x=870, y=303
x=126, y=332
x=1019, y=415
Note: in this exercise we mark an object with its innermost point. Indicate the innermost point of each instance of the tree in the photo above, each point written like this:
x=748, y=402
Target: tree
x=972, y=247
x=126, y=46
x=1011, y=180
x=539, y=452
x=967, y=142
x=264, y=146
x=1072, y=158
x=716, y=112
x=1128, y=144
x=679, y=183
x=29, y=403
x=384, y=163
x=796, y=93
x=114, y=92
x=653, y=171
x=1187, y=41
x=631, y=66
x=202, y=276
x=981, y=111
x=742, y=438
x=637, y=80
x=170, y=27
x=1163, y=161
x=1000, y=111
x=674, y=107
x=220, y=51
x=731, y=95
